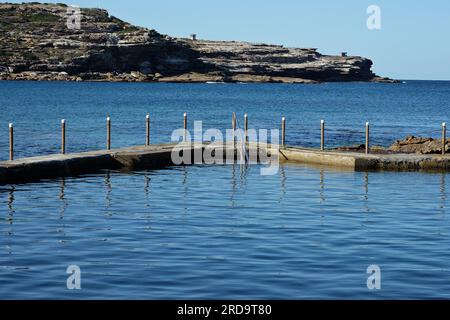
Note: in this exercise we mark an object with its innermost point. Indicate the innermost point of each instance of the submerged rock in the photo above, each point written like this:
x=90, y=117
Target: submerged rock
x=353, y=148
x=362, y=148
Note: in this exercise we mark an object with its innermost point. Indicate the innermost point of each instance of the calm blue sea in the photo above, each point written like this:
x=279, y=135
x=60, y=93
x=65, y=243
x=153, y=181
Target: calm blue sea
x=394, y=110
x=209, y=232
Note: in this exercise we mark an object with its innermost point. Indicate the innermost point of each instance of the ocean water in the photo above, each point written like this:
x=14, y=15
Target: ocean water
x=210, y=232
x=227, y=232
x=394, y=110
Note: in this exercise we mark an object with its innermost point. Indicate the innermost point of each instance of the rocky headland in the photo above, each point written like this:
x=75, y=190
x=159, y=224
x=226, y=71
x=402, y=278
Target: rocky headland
x=36, y=44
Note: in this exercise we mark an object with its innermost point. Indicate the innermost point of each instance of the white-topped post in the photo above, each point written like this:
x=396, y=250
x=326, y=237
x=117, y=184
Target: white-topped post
x=11, y=141
x=444, y=133
x=245, y=128
x=108, y=133
x=147, y=130
x=233, y=125
x=63, y=136
x=322, y=135
x=185, y=126
x=367, y=137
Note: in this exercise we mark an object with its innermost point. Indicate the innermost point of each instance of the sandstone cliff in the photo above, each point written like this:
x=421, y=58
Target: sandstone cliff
x=36, y=44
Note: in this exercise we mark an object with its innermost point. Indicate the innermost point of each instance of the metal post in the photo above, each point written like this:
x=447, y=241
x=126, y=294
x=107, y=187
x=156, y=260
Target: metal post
x=367, y=138
x=245, y=128
x=283, y=131
x=147, y=129
x=11, y=142
x=108, y=133
x=322, y=135
x=233, y=124
x=185, y=126
x=444, y=132
x=63, y=136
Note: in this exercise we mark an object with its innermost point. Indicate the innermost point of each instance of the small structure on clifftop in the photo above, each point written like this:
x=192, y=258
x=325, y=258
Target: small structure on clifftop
x=101, y=52
x=343, y=54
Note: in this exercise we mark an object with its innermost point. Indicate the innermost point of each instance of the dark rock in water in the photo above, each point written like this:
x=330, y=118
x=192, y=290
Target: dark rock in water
x=36, y=44
x=355, y=148
x=362, y=148
x=420, y=145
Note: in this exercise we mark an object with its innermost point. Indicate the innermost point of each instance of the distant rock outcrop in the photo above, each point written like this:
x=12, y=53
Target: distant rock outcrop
x=36, y=44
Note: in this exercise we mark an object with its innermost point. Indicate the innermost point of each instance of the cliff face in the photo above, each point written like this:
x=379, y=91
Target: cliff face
x=36, y=44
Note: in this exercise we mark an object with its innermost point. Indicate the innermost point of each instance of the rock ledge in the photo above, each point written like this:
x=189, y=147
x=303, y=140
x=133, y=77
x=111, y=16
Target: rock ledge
x=35, y=44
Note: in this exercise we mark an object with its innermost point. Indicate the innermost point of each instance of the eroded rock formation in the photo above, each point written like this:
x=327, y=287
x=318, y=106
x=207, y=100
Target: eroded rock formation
x=36, y=44
x=420, y=145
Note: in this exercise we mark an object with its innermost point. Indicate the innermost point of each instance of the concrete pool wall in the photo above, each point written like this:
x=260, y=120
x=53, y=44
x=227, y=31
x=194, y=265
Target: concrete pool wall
x=159, y=156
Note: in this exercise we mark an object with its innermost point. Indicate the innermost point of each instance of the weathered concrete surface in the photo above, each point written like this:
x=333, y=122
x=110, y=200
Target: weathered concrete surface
x=336, y=159
x=403, y=162
x=159, y=156
x=360, y=162
x=126, y=159
x=28, y=169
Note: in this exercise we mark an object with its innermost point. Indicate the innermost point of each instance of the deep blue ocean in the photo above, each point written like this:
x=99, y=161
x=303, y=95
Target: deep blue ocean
x=224, y=232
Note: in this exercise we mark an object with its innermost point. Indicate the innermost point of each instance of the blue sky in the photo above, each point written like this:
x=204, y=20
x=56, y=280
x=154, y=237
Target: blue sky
x=413, y=42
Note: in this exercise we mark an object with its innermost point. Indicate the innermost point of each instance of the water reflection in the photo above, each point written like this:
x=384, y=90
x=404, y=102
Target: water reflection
x=244, y=171
x=238, y=180
x=322, y=186
x=443, y=193
x=147, y=214
x=282, y=183
x=233, y=186
x=62, y=197
x=10, y=219
x=11, y=204
x=63, y=206
x=338, y=238
x=108, y=186
x=147, y=190
x=366, y=192
x=365, y=185
x=185, y=189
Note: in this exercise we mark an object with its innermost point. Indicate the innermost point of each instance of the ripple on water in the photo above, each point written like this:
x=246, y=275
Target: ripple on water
x=223, y=232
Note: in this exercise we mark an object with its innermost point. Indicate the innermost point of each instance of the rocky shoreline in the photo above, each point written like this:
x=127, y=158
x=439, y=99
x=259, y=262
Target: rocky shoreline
x=36, y=44
x=141, y=77
x=408, y=145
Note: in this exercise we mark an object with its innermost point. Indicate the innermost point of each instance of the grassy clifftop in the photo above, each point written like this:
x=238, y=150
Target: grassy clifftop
x=36, y=44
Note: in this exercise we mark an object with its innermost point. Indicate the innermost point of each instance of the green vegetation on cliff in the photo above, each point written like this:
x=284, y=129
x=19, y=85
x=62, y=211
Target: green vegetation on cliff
x=35, y=43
